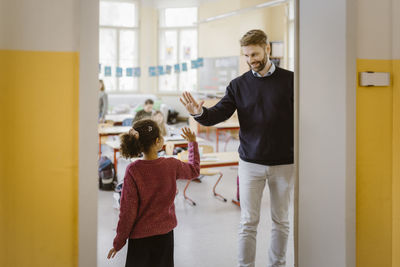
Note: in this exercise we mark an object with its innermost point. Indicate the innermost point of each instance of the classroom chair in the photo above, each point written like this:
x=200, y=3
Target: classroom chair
x=203, y=172
x=127, y=122
x=229, y=135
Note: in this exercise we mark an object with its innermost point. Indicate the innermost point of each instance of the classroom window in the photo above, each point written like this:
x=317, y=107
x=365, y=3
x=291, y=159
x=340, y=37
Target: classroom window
x=177, y=45
x=118, y=48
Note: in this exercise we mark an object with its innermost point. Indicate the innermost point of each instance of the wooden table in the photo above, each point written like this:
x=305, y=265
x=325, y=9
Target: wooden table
x=109, y=131
x=219, y=159
x=222, y=127
x=117, y=119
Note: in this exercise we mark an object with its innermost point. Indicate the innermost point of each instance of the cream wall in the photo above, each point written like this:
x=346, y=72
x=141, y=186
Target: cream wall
x=220, y=38
x=215, y=8
x=214, y=40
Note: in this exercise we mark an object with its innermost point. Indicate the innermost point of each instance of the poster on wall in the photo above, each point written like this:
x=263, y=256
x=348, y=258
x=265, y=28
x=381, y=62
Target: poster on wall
x=137, y=72
x=129, y=72
x=200, y=62
x=177, y=68
x=152, y=71
x=168, y=69
x=107, y=71
x=169, y=50
x=194, y=64
x=160, y=70
x=184, y=67
x=118, y=71
x=186, y=52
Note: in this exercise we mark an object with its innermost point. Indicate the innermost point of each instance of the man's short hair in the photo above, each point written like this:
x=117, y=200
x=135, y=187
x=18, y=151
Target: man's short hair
x=254, y=37
x=149, y=102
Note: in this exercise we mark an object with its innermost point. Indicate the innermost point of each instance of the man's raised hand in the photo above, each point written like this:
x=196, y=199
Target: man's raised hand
x=191, y=105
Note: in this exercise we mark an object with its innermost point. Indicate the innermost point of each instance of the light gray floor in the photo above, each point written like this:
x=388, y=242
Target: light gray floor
x=206, y=235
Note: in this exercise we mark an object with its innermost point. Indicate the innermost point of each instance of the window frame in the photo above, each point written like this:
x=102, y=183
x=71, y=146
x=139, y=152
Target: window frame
x=118, y=29
x=290, y=61
x=178, y=30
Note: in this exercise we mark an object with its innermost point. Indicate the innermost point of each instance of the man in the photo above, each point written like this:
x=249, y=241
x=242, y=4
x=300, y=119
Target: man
x=263, y=98
x=147, y=111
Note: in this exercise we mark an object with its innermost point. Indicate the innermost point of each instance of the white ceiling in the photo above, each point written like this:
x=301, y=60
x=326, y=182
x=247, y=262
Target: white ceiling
x=174, y=3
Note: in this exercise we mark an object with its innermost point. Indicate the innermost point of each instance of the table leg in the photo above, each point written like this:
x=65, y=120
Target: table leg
x=214, y=192
x=236, y=202
x=185, y=196
x=115, y=161
x=99, y=145
x=217, y=139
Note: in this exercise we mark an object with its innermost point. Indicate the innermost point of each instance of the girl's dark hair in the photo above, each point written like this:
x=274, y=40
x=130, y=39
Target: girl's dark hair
x=148, y=133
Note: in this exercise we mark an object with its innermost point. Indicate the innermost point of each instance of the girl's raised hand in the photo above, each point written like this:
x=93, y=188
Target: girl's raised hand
x=111, y=253
x=188, y=134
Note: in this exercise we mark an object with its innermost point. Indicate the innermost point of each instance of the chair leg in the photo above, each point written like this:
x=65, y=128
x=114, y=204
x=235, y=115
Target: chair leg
x=236, y=202
x=226, y=141
x=185, y=196
x=215, y=193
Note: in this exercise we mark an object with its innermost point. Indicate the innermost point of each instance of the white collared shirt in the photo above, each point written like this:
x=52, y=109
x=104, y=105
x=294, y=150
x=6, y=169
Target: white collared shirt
x=269, y=72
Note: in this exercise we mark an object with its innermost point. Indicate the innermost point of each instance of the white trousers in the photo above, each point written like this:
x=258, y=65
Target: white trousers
x=252, y=179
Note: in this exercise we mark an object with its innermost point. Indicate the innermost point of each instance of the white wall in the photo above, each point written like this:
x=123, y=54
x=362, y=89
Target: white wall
x=88, y=149
x=36, y=29
x=326, y=226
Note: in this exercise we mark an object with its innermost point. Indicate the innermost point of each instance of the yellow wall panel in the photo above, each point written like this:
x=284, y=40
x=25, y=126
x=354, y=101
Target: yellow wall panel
x=396, y=164
x=41, y=175
x=374, y=170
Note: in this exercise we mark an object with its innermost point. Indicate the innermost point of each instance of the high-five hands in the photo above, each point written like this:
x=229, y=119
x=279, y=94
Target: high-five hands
x=191, y=105
x=188, y=134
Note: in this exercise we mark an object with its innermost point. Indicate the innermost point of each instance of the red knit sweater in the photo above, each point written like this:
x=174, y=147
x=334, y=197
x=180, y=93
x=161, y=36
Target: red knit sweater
x=147, y=201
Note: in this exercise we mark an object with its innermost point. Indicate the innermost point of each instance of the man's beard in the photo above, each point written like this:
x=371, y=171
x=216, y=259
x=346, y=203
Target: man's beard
x=261, y=65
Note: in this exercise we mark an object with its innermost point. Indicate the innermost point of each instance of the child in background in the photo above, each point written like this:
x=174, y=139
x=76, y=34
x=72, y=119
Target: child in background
x=147, y=214
x=147, y=111
x=159, y=118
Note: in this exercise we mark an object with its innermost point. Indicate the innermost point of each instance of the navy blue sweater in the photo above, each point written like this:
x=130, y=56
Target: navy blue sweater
x=265, y=111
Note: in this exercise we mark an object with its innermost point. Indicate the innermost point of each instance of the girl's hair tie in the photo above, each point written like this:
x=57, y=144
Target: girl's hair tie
x=150, y=128
x=134, y=133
